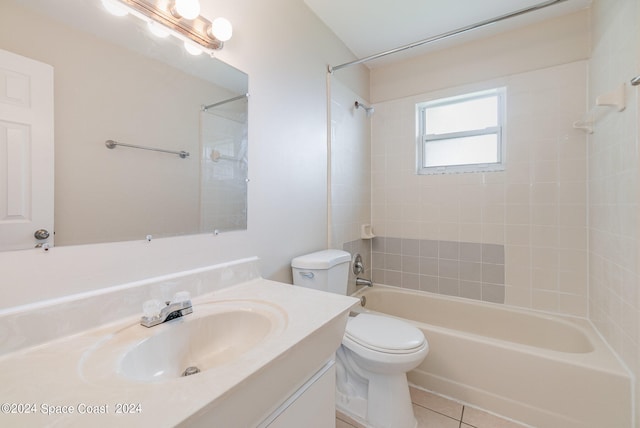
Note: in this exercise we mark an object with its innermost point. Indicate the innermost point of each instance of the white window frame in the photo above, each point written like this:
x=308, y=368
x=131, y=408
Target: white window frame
x=499, y=131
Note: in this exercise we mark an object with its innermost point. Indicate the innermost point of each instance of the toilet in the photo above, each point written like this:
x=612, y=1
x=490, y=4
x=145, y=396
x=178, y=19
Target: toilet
x=376, y=353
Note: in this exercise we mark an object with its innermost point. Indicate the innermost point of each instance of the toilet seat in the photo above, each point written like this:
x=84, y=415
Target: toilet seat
x=384, y=334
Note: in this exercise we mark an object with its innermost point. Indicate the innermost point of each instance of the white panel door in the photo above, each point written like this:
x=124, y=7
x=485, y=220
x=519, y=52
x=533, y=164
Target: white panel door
x=26, y=151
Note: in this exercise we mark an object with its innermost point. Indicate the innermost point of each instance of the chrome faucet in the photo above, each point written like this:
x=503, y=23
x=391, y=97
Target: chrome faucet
x=155, y=313
x=358, y=268
x=363, y=281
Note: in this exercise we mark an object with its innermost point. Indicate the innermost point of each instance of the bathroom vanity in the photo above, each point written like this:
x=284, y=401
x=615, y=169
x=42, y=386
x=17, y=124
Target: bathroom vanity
x=264, y=351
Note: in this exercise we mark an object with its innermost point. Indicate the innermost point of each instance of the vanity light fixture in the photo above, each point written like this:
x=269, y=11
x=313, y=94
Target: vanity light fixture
x=180, y=18
x=221, y=29
x=187, y=9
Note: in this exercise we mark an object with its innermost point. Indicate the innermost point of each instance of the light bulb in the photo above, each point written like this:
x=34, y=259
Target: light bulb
x=193, y=50
x=188, y=9
x=157, y=29
x=221, y=29
x=115, y=8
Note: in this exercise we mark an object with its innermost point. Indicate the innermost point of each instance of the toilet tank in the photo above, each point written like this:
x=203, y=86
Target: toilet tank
x=326, y=270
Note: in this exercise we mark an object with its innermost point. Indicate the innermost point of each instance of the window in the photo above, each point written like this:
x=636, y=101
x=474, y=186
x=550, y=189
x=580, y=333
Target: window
x=461, y=134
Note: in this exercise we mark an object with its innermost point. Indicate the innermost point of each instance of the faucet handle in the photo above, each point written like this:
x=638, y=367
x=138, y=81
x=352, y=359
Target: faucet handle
x=152, y=308
x=181, y=296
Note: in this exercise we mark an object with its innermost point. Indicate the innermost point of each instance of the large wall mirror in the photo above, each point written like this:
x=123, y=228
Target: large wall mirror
x=113, y=80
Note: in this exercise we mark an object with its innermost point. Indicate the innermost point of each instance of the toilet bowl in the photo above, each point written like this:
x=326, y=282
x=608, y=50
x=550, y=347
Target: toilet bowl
x=384, y=344
x=376, y=352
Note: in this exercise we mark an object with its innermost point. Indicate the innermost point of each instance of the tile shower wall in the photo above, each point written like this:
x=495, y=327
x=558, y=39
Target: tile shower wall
x=614, y=179
x=535, y=209
x=223, y=185
x=464, y=269
x=350, y=166
x=350, y=176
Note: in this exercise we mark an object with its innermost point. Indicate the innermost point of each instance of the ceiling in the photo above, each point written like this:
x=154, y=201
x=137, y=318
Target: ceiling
x=368, y=27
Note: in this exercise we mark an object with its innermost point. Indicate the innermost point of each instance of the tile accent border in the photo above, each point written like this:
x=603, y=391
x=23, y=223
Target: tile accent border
x=464, y=269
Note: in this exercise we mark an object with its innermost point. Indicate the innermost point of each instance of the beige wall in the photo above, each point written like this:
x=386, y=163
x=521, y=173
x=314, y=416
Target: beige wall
x=614, y=174
x=551, y=42
x=285, y=50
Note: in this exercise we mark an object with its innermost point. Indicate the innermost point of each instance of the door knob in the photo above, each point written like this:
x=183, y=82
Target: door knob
x=41, y=234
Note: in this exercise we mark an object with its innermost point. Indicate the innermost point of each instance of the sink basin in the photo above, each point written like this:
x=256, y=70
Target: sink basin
x=203, y=342
x=216, y=334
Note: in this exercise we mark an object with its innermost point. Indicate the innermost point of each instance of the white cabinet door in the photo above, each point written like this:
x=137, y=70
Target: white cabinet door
x=26, y=151
x=312, y=406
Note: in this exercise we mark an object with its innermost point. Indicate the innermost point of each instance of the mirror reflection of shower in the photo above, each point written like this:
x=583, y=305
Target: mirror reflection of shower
x=366, y=108
x=223, y=168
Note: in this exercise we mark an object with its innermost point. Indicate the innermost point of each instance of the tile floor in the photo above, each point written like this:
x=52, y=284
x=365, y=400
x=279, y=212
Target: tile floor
x=434, y=411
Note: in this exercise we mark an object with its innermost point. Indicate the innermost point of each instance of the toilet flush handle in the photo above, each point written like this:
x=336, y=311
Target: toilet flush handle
x=308, y=275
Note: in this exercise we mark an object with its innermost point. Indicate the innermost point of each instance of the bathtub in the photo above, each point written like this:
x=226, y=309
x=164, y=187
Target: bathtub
x=542, y=370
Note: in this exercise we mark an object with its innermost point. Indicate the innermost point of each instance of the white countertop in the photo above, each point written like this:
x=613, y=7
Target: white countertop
x=50, y=378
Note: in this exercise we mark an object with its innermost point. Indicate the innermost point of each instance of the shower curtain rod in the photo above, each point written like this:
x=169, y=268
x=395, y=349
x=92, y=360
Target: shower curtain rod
x=448, y=34
x=205, y=108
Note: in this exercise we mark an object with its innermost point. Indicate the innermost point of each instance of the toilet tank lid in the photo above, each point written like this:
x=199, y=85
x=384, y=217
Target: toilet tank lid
x=324, y=259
